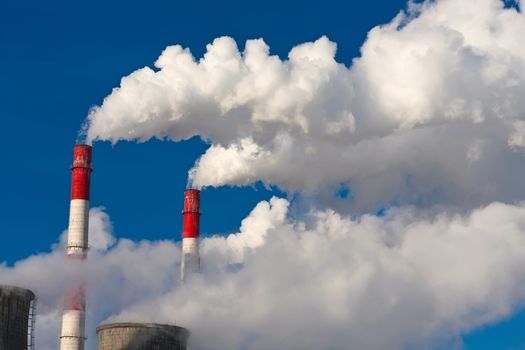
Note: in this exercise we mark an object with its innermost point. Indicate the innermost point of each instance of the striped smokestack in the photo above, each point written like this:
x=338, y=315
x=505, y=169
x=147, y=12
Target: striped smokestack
x=190, y=233
x=72, y=336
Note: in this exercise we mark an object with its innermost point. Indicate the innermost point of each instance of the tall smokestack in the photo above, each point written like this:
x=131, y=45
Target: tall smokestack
x=72, y=336
x=190, y=233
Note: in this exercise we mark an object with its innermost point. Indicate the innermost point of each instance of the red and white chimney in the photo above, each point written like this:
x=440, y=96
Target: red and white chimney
x=72, y=336
x=190, y=233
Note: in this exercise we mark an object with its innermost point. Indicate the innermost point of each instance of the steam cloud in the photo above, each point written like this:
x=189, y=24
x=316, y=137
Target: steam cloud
x=432, y=111
x=325, y=281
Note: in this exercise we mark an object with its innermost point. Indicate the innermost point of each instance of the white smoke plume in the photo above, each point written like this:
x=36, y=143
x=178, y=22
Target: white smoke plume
x=432, y=112
x=402, y=281
x=324, y=282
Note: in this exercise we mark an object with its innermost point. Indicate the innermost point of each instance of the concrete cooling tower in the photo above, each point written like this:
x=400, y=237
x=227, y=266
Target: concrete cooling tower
x=141, y=336
x=17, y=315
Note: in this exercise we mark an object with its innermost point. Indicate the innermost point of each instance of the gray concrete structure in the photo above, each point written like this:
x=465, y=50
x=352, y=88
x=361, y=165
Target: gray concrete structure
x=16, y=318
x=141, y=336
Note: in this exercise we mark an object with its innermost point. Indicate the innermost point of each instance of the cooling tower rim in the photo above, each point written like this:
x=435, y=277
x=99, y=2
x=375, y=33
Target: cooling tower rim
x=168, y=327
x=18, y=291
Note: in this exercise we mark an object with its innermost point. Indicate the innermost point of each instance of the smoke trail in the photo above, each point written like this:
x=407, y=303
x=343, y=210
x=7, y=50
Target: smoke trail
x=431, y=112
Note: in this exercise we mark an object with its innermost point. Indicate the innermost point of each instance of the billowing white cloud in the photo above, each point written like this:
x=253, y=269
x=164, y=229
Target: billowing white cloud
x=325, y=281
x=329, y=282
x=432, y=111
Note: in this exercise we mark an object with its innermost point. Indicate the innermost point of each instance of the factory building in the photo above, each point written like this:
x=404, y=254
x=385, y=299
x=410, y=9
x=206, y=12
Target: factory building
x=17, y=318
x=141, y=336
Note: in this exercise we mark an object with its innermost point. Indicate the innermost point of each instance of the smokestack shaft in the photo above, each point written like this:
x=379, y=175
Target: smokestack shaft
x=190, y=233
x=72, y=336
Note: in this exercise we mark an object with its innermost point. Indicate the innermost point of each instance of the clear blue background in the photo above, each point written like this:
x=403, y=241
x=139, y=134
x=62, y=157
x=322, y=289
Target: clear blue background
x=59, y=58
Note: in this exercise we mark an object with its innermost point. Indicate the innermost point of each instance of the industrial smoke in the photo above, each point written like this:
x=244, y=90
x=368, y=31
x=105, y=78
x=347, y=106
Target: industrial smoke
x=430, y=112
x=427, y=125
x=323, y=279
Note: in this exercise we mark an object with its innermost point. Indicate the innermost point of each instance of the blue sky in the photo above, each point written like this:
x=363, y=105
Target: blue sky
x=58, y=59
